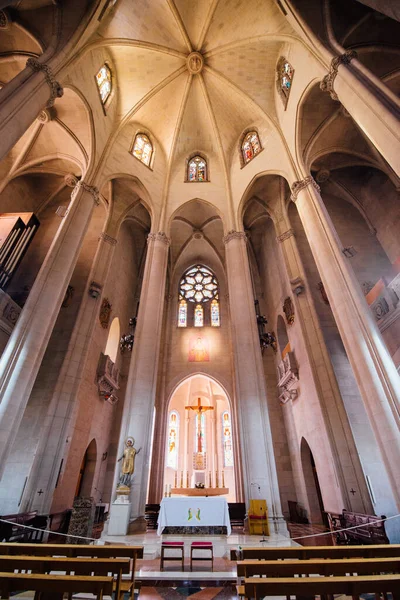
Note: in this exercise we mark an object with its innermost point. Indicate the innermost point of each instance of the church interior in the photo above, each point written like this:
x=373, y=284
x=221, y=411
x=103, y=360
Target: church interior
x=199, y=275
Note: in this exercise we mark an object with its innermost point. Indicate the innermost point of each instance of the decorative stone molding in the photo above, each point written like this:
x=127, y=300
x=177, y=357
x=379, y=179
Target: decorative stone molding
x=195, y=63
x=95, y=289
x=322, y=175
x=105, y=313
x=4, y=19
x=326, y=84
x=288, y=376
x=56, y=90
x=107, y=379
x=301, y=185
x=285, y=236
x=71, y=180
x=234, y=235
x=90, y=189
x=46, y=115
x=108, y=239
x=159, y=237
x=288, y=309
x=9, y=312
x=297, y=285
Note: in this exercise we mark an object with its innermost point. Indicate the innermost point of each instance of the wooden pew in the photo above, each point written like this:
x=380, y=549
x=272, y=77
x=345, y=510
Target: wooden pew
x=77, y=566
x=258, y=588
x=370, y=528
x=312, y=552
x=327, y=567
x=56, y=585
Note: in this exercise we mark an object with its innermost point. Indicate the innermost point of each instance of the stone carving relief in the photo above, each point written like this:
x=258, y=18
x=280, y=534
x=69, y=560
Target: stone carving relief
x=56, y=90
x=326, y=84
x=380, y=308
x=288, y=375
x=234, y=235
x=285, y=235
x=159, y=237
x=297, y=186
x=11, y=313
x=107, y=379
x=320, y=287
x=69, y=294
x=288, y=309
x=105, y=313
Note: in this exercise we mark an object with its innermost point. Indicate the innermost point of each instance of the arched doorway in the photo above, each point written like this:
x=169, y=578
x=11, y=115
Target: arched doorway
x=87, y=470
x=313, y=490
x=199, y=444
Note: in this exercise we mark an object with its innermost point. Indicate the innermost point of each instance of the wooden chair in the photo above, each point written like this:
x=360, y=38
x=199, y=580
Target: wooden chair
x=201, y=546
x=56, y=585
x=237, y=514
x=179, y=546
x=258, y=517
x=257, y=587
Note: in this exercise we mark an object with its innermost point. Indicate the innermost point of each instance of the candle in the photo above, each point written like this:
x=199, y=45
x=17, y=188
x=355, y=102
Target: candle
x=181, y=479
x=176, y=479
x=187, y=479
x=166, y=490
x=216, y=479
x=209, y=479
x=170, y=490
x=223, y=480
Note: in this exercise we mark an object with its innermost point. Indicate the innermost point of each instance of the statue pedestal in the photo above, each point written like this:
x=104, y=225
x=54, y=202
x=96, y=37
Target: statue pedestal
x=119, y=518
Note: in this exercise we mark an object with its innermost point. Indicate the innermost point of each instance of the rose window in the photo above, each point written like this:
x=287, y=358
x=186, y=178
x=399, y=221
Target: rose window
x=198, y=285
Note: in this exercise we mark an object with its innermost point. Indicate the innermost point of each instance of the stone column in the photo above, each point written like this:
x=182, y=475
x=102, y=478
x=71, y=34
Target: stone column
x=259, y=469
x=373, y=106
x=142, y=378
x=374, y=370
x=22, y=99
x=23, y=354
x=61, y=414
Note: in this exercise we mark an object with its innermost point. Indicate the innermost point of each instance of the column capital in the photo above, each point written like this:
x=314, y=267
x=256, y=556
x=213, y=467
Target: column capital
x=56, y=90
x=159, y=237
x=326, y=84
x=285, y=235
x=234, y=235
x=297, y=186
x=108, y=239
x=90, y=189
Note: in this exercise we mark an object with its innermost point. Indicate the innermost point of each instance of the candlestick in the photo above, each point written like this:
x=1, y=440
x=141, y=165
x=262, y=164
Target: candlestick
x=176, y=479
x=216, y=479
x=187, y=479
x=170, y=490
x=209, y=479
x=181, y=479
x=166, y=491
x=223, y=480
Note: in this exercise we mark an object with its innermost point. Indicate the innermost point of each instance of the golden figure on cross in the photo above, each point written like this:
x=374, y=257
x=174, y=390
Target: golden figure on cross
x=199, y=410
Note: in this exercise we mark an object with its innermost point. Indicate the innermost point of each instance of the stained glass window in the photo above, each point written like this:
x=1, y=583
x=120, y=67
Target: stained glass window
x=200, y=443
x=250, y=146
x=142, y=148
x=215, y=313
x=227, y=439
x=103, y=80
x=284, y=79
x=198, y=316
x=173, y=440
x=199, y=284
x=182, y=314
x=197, y=169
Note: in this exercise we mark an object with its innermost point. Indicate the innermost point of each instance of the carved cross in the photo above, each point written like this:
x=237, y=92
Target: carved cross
x=200, y=409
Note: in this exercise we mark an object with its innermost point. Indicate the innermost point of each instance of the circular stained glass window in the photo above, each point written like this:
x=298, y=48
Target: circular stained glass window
x=198, y=284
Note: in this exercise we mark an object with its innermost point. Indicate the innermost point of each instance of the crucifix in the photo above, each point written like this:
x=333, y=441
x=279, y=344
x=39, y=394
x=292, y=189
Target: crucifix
x=199, y=410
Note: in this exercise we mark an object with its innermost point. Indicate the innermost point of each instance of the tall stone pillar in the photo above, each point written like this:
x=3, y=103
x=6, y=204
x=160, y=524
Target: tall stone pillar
x=22, y=99
x=259, y=468
x=142, y=379
x=374, y=370
x=23, y=354
x=375, y=110
x=61, y=414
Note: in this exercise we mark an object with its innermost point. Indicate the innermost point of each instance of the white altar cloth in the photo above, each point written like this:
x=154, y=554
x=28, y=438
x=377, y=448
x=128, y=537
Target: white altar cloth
x=194, y=511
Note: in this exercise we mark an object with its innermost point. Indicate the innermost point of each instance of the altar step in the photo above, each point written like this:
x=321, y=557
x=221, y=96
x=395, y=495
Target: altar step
x=186, y=578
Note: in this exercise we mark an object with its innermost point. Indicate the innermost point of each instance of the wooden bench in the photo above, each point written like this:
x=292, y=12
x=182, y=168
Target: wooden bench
x=327, y=567
x=312, y=552
x=78, y=566
x=370, y=528
x=56, y=585
x=257, y=588
x=12, y=533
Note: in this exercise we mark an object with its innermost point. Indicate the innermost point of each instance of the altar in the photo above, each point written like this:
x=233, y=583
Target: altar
x=194, y=512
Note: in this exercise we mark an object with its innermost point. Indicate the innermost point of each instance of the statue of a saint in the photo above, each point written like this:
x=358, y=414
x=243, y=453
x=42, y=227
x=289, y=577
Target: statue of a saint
x=128, y=462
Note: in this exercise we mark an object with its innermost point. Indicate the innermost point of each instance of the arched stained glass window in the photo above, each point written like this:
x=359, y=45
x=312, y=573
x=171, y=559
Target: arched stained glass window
x=173, y=440
x=284, y=79
x=197, y=169
x=104, y=85
x=182, y=313
x=198, y=316
x=227, y=439
x=199, y=284
x=142, y=148
x=215, y=322
x=250, y=146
